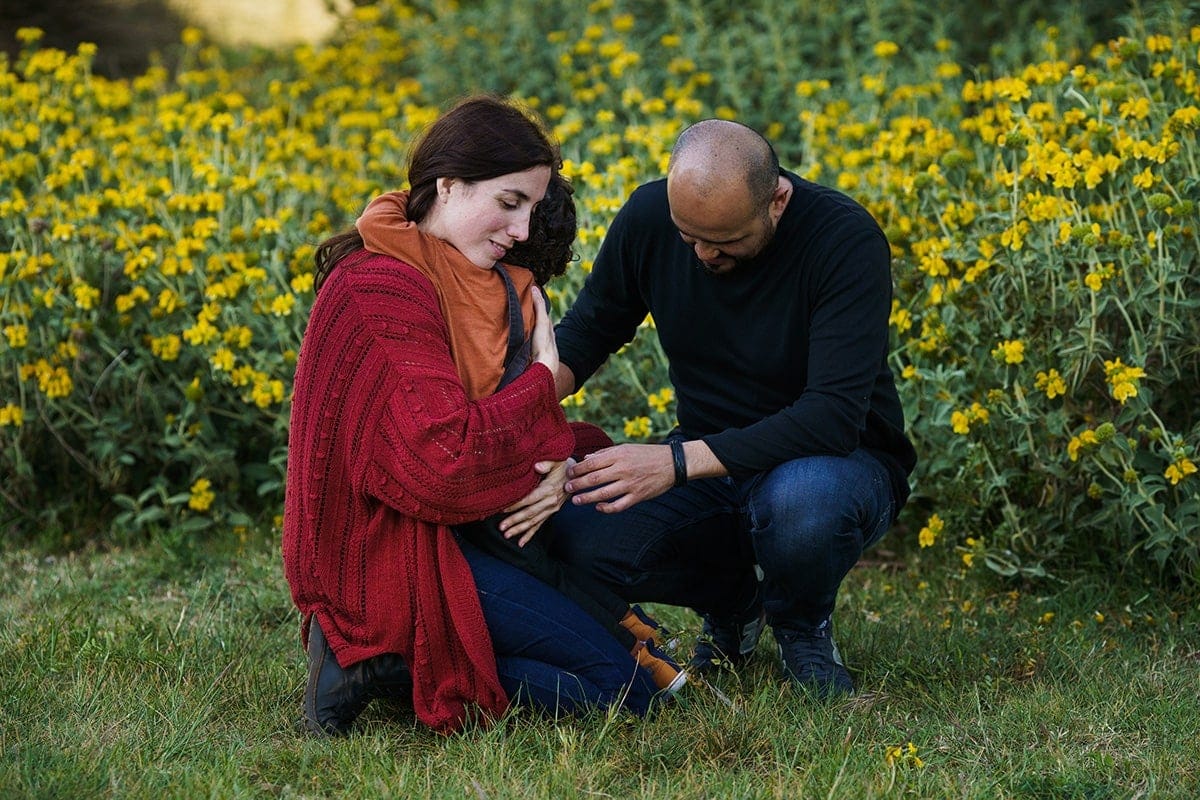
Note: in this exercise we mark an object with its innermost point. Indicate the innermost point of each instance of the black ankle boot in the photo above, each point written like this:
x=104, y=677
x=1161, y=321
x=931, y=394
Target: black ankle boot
x=334, y=697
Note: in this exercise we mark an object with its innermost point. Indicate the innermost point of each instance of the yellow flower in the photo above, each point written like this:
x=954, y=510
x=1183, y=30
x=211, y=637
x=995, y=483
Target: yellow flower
x=1158, y=43
x=577, y=400
x=266, y=392
x=1013, y=237
x=1144, y=179
x=1186, y=117
x=222, y=360
x=960, y=423
x=29, y=35
x=873, y=84
x=53, y=381
x=1012, y=89
x=202, y=495
x=12, y=415
x=266, y=225
x=1011, y=351
x=202, y=332
x=166, y=347
x=192, y=37
x=947, y=70
x=903, y=756
x=1123, y=391
x=17, y=335
x=810, y=88
x=1182, y=467
x=282, y=305
x=932, y=530
x=238, y=336
x=168, y=301
x=242, y=376
x=1051, y=383
x=1080, y=443
x=1135, y=108
x=886, y=49
x=637, y=428
x=86, y=296
x=661, y=400
x=1122, y=379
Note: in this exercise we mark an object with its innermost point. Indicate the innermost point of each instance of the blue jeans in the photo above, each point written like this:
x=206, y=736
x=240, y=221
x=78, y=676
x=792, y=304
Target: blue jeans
x=550, y=654
x=804, y=523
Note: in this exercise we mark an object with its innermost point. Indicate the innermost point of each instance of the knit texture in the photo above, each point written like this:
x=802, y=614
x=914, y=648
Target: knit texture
x=385, y=452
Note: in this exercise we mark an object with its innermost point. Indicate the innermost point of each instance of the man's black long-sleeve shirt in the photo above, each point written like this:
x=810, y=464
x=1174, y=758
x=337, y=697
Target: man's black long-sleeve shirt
x=782, y=357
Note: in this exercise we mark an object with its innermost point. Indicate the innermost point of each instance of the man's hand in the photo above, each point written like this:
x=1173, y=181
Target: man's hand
x=526, y=515
x=617, y=478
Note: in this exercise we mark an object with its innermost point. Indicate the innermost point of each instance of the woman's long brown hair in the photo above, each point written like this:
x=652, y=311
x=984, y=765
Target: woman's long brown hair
x=482, y=137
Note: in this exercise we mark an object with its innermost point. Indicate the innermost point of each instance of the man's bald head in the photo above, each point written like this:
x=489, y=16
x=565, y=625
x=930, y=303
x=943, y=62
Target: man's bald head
x=725, y=192
x=717, y=157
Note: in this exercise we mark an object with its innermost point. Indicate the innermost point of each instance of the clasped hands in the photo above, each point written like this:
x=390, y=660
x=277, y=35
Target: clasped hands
x=615, y=478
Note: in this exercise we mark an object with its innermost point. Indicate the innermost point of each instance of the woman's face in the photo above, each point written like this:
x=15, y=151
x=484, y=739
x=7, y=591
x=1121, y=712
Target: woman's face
x=483, y=220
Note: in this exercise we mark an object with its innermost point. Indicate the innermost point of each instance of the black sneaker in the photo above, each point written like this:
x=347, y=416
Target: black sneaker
x=334, y=697
x=811, y=660
x=727, y=641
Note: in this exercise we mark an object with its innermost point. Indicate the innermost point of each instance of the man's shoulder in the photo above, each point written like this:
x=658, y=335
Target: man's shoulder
x=645, y=213
x=649, y=199
x=816, y=200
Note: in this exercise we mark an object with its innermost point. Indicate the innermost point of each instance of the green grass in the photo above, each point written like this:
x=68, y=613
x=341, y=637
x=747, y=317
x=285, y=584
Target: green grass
x=176, y=672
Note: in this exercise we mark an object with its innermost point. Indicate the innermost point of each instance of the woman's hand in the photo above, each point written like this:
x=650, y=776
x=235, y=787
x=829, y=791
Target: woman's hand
x=543, y=346
x=526, y=515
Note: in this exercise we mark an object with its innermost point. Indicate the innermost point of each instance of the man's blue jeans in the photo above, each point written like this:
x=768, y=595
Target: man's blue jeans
x=550, y=654
x=804, y=524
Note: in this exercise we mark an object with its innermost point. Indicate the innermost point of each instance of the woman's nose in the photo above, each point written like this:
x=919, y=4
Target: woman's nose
x=519, y=230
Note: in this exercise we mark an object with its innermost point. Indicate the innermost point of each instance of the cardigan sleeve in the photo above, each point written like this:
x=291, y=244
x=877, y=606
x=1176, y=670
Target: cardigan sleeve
x=433, y=454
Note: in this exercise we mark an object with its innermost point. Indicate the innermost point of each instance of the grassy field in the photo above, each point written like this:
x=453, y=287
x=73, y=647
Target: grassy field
x=176, y=672
x=1038, y=185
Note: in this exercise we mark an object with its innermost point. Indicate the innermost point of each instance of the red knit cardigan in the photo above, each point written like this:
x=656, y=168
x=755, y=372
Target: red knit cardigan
x=385, y=451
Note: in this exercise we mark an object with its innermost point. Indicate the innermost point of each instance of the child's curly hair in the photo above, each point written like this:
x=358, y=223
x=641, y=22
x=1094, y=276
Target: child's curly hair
x=552, y=227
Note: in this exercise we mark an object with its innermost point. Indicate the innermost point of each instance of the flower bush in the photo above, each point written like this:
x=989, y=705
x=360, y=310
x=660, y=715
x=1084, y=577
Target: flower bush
x=156, y=240
x=1045, y=231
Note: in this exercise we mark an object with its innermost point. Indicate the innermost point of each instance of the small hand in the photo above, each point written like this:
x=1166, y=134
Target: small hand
x=542, y=344
x=619, y=477
x=526, y=515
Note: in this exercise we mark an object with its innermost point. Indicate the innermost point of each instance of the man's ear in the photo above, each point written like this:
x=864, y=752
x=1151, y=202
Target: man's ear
x=779, y=200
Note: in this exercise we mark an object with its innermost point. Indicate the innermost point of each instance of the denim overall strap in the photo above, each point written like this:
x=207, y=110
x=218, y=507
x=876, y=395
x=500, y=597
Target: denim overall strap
x=520, y=349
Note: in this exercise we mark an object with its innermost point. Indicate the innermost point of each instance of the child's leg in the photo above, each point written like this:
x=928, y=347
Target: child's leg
x=630, y=626
x=601, y=604
x=549, y=653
